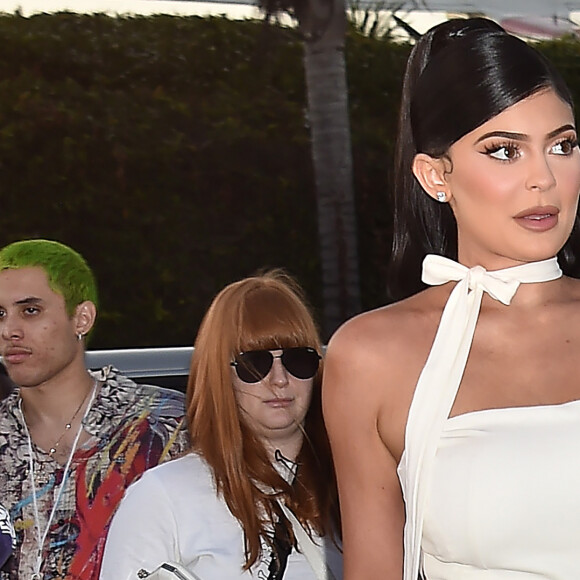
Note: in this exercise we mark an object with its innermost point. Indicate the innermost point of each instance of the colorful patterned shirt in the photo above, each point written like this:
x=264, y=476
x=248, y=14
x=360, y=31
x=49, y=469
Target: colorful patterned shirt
x=133, y=427
x=7, y=536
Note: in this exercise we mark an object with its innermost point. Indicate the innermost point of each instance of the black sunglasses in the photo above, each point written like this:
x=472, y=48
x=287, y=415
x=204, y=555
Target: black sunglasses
x=252, y=366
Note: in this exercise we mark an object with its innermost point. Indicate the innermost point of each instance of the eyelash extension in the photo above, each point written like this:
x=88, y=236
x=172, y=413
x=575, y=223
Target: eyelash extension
x=498, y=146
x=572, y=140
x=492, y=147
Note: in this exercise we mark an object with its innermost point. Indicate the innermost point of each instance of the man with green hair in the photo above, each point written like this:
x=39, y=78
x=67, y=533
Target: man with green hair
x=71, y=440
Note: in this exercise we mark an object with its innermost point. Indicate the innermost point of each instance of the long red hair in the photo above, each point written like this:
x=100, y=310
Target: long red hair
x=266, y=311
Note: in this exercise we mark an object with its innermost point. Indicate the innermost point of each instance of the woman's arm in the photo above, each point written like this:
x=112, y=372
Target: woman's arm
x=357, y=404
x=143, y=533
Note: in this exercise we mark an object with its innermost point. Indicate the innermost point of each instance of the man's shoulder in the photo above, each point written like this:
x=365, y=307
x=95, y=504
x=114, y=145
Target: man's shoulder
x=8, y=408
x=122, y=400
x=124, y=406
x=127, y=393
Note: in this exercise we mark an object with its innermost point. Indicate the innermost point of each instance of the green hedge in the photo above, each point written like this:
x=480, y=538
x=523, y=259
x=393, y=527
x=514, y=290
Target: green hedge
x=174, y=154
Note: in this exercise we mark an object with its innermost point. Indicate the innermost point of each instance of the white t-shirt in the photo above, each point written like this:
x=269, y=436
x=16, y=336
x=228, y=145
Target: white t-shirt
x=173, y=513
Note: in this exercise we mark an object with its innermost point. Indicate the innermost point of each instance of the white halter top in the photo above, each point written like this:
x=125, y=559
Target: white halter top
x=442, y=375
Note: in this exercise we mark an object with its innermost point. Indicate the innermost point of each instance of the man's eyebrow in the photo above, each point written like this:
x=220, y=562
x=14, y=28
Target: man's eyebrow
x=522, y=136
x=29, y=300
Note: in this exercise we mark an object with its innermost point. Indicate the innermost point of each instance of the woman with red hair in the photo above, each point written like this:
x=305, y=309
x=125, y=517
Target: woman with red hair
x=256, y=496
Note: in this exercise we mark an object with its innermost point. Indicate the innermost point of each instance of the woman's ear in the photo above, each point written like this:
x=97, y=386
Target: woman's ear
x=430, y=173
x=84, y=317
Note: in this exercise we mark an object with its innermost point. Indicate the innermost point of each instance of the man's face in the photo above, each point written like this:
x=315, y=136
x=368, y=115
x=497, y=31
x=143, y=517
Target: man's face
x=37, y=337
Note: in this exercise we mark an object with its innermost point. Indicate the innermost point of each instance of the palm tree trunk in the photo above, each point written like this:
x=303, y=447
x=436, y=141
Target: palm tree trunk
x=327, y=93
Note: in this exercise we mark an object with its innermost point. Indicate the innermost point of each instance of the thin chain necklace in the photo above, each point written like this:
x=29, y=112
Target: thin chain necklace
x=41, y=537
x=68, y=425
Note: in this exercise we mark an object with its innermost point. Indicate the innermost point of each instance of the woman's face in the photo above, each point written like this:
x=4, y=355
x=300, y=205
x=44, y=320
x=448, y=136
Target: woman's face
x=513, y=184
x=274, y=407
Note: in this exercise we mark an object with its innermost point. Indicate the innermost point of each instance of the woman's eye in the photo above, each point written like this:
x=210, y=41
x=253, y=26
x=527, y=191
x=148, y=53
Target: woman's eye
x=503, y=152
x=564, y=147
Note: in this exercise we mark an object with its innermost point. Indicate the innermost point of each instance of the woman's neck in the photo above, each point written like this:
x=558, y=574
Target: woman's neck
x=289, y=447
x=491, y=261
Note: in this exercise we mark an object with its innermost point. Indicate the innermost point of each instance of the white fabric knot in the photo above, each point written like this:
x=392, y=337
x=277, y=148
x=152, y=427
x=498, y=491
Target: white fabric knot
x=441, y=376
x=499, y=284
x=476, y=277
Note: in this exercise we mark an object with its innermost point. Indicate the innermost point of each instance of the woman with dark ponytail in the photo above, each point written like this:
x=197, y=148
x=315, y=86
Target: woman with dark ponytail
x=452, y=413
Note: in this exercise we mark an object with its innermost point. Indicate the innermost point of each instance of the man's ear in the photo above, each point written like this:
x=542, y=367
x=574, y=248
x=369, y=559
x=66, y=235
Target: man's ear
x=430, y=173
x=84, y=317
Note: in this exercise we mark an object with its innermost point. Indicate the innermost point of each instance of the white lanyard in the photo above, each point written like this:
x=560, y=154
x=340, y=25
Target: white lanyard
x=313, y=552
x=41, y=537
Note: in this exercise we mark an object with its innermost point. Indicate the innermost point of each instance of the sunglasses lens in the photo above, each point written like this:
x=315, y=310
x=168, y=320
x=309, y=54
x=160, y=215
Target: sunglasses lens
x=302, y=362
x=254, y=365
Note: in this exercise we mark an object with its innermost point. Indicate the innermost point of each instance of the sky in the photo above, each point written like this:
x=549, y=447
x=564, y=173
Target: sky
x=145, y=7
x=421, y=20
x=490, y=7
x=504, y=7
x=235, y=9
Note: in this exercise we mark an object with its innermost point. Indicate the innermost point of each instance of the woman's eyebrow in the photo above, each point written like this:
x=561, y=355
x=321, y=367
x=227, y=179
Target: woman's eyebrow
x=567, y=127
x=505, y=134
x=522, y=136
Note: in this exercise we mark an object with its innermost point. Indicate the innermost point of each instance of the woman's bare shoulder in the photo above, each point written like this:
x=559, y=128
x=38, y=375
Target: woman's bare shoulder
x=372, y=365
x=390, y=329
x=383, y=351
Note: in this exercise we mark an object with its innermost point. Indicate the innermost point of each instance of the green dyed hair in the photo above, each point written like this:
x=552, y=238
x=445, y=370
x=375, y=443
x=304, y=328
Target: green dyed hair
x=67, y=271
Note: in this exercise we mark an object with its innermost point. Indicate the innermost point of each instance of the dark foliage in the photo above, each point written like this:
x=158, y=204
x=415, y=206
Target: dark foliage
x=171, y=152
x=174, y=154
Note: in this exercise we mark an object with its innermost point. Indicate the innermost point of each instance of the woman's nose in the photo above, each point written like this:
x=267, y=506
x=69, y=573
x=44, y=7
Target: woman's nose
x=278, y=373
x=541, y=176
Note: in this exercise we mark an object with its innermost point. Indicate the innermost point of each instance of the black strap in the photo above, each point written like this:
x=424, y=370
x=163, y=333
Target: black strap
x=281, y=548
